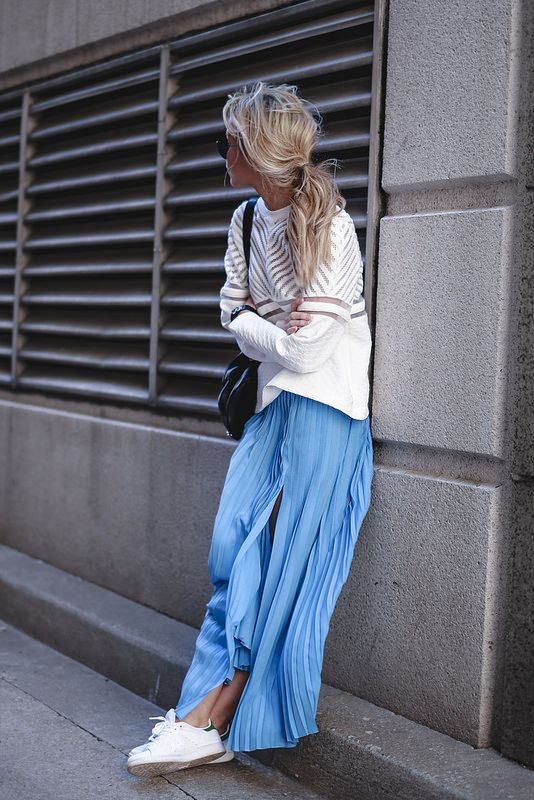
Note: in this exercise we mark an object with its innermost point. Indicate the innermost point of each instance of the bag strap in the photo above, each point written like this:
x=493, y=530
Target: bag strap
x=247, y=226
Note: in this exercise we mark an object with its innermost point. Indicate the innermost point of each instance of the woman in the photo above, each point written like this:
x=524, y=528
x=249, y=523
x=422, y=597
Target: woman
x=299, y=481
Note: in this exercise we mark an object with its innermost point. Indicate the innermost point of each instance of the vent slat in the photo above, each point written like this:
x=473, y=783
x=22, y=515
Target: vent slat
x=95, y=239
x=112, y=206
x=92, y=149
x=105, y=356
x=91, y=295
x=87, y=180
x=87, y=384
x=9, y=141
x=99, y=89
x=110, y=266
x=93, y=120
x=60, y=323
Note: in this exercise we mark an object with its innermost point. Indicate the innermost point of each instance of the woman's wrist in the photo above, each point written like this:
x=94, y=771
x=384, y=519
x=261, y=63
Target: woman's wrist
x=238, y=309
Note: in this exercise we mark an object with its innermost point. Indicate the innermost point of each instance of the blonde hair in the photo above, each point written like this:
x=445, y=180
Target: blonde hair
x=276, y=131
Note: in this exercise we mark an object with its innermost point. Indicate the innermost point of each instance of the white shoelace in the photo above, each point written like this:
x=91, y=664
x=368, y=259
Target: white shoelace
x=162, y=727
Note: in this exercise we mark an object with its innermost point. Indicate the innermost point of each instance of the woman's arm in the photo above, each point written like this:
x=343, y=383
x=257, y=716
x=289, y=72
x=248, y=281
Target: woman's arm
x=329, y=300
x=235, y=291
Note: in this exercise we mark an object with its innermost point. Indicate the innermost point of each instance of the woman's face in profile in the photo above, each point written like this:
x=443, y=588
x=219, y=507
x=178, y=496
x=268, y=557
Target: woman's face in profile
x=241, y=173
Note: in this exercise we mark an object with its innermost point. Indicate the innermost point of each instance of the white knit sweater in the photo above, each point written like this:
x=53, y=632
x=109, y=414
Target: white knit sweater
x=327, y=359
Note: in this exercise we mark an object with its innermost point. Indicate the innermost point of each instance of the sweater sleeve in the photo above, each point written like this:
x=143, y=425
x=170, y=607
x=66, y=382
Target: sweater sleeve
x=329, y=300
x=235, y=291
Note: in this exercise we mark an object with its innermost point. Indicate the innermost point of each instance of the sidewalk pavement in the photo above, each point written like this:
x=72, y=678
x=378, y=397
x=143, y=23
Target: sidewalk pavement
x=65, y=732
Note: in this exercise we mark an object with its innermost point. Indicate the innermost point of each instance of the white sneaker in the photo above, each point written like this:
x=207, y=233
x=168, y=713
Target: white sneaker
x=175, y=745
x=229, y=754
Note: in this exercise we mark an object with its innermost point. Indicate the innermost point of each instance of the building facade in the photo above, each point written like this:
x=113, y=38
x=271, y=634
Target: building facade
x=113, y=220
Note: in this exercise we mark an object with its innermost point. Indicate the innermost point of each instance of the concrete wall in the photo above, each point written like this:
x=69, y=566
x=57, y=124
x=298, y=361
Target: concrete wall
x=453, y=305
x=37, y=29
x=420, y=627
x=131, y=508
x=34, y=33
x=518, y=697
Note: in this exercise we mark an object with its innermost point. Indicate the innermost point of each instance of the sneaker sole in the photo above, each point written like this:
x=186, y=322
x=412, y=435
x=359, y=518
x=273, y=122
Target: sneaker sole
x=228, y=756
x=151, y=768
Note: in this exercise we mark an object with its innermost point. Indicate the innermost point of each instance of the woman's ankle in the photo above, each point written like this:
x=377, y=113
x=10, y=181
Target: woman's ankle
x=220, y=723
x=196, y=722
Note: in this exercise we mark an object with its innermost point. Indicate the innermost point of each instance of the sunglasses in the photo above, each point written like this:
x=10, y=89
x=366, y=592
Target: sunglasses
x=223, y=146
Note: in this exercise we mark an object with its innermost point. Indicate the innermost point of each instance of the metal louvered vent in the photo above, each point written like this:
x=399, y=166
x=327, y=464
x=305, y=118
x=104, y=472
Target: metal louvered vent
x=10, y=124
x=125, y=211
x=90, y=229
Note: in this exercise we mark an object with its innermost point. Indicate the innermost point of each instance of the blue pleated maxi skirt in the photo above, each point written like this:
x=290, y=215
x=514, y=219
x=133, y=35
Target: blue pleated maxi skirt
x=271, y=607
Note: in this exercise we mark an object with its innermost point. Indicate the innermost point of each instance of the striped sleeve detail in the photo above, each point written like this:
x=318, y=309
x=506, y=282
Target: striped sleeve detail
x=329, y=306
x=337, y=288
x=235, y=290
x=230, y=297
x=271, y=310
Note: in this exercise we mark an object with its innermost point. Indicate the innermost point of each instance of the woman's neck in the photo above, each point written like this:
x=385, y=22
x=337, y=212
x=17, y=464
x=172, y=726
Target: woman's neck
x=275, y=200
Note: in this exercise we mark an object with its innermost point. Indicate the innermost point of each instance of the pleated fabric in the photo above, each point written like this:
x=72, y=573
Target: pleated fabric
x=270, y=609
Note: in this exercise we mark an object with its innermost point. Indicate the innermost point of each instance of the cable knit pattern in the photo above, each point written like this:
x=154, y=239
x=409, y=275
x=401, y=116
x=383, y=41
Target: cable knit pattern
x=328, y=358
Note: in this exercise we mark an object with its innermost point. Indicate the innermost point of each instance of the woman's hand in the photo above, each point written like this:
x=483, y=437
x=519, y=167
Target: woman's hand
x=297, y=319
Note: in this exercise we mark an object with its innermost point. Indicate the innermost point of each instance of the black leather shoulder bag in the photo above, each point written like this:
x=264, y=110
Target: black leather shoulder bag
x=237, y=396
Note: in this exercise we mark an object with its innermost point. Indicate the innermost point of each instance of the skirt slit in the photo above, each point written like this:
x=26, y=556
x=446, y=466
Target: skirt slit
x=271, y=605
